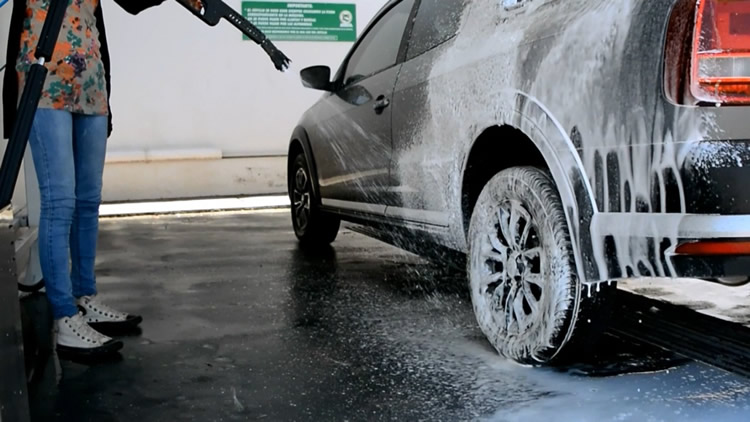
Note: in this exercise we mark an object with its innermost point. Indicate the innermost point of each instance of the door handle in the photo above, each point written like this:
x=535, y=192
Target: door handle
x=381, y=103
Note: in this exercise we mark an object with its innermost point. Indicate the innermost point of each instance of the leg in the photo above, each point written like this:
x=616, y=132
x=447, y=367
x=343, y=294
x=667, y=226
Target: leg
x=89, y=149
x=51, y=141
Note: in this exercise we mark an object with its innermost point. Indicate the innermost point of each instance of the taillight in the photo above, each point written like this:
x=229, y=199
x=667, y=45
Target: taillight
x=720, y=71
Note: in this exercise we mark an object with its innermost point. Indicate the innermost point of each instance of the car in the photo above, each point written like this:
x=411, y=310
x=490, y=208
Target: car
x=559, y=147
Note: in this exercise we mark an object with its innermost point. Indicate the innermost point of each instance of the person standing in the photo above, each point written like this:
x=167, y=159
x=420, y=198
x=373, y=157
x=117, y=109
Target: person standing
x=68, y=142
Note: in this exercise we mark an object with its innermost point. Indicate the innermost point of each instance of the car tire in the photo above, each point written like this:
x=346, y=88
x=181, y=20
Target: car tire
x=525, y=290
x=311, y=225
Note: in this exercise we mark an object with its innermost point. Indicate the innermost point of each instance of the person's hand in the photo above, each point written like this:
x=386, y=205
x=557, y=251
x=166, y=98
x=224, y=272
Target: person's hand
x=196, y=4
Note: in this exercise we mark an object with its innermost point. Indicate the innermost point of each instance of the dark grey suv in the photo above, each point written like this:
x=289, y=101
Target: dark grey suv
x=558, y=145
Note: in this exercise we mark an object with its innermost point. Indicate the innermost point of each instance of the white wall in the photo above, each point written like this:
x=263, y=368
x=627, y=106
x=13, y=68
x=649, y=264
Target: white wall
x=183, y=90
x=180, y=83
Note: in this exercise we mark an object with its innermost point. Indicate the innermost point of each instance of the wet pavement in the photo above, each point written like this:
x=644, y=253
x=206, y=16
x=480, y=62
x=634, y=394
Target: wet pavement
x=240, y=324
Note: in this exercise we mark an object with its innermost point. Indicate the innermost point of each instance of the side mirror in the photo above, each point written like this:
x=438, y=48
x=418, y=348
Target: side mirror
x=317, y=77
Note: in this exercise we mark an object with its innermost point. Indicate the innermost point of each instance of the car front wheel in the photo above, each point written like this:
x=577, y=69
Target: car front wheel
x=525, y=290
x=311, y=225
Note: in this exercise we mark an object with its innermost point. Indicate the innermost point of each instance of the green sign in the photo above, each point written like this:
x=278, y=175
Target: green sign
x=300, y=21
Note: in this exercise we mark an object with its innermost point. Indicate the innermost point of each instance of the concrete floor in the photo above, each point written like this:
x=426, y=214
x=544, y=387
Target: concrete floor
x=240, y=324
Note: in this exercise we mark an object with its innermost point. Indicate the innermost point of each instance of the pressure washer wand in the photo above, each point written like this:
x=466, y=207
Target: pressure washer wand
x=29, y=103
x=211, y=13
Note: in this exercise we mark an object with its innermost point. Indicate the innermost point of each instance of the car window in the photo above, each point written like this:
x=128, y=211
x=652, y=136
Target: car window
x=379, y=49
x=436, y=22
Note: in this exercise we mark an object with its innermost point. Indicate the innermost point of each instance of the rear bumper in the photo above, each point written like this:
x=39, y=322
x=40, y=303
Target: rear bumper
x=715, y=174
x=712, y=247
x=734, y=268
x=672, y=245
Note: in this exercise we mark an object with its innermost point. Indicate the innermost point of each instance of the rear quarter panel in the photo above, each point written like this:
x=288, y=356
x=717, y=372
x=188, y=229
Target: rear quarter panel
x=584, y=79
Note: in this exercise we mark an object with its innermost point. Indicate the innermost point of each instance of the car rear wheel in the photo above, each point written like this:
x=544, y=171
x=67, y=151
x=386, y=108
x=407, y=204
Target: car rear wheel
x=525, y=290
x=311, y=225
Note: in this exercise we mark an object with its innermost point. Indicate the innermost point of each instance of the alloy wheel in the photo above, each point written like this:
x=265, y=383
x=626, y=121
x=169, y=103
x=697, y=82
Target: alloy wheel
x=513, y=258
x=301, y=198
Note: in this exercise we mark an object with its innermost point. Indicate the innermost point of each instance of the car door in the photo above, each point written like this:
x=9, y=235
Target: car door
x=354, y=145
x=421, y=169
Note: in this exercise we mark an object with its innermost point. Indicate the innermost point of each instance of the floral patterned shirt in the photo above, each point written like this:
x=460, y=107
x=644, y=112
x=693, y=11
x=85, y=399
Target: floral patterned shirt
x=75, y=81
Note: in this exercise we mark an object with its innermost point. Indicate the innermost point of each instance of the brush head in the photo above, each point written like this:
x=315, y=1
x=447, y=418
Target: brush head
x=280, y=61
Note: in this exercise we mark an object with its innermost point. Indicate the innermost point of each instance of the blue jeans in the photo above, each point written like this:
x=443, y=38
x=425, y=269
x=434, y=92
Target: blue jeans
x=68, y=151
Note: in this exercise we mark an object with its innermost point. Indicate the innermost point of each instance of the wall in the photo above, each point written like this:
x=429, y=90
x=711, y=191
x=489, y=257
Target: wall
x=197, y=102
x=178, y=82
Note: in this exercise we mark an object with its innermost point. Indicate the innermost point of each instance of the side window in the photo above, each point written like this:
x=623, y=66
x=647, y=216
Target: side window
x=379, y=49
x=437, y=21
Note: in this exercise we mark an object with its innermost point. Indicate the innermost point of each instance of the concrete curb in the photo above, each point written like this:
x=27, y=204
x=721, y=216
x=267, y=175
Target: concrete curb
x=252, y=203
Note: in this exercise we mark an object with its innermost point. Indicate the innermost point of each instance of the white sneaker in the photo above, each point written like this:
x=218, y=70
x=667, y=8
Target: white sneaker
x=74, y=335
x=103, y=317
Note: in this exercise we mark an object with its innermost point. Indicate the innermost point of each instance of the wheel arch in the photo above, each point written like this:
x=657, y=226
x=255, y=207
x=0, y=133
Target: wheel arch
x=486, y=159
x=545, y=144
